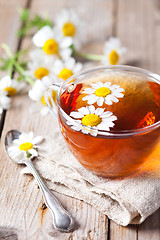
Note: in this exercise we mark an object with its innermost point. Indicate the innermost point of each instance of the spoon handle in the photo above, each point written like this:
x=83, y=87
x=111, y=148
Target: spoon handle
x=62, y=220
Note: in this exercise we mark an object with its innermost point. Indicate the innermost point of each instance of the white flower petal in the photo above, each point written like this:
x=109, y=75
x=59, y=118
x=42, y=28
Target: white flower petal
x=76, y=114
x=107, y=101
x=88, y=90
x=100, y=101
x=113, y=99
x=107, y=84
x=70, y=63
x=83, y=110
x=99, y=111
x=119, y=95
x=78, y=67
x=103, y=127
x=66, y=53
x=76, y=128
x=115, y=86
x=66, y=42
x=5, y=102
x=95, y=86
x=106, y=114
x=1, y=110
x=111, y=118
x=94, y=133
x=42, y=36
x=92, y=99
x=91, y=109
x=85, y=131
x=99, y=84
x=37, y=139
x=33, y=152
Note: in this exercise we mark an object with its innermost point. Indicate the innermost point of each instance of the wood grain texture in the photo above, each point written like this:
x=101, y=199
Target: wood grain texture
x=139, y=30
x=22, y=212
x=137, y=24
x=9, y=22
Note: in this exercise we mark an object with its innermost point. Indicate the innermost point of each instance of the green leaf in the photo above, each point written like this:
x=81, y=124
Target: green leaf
x=31, y=24
x=28, y=154
x=21, y=32
x=24, y=14
x=6, y=64
x=23, y=65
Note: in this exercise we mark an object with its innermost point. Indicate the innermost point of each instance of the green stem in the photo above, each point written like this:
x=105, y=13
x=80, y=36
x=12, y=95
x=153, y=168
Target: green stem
x=7, y=50
x=19, y=68
x=22, y=73
x=10, y=68
x=89, y=56
x=29, y=80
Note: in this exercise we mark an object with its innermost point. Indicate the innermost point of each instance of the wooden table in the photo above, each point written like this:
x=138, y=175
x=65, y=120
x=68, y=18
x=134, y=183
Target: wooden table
x=137, y=24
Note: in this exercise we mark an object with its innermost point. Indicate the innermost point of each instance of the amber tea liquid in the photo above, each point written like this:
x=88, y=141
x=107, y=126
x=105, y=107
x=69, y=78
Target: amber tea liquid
x=115, y=156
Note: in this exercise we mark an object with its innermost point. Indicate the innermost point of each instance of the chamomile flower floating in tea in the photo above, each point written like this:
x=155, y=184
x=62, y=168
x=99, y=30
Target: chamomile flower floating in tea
x=52, y=43
x=4, y=101
x=113, y=51
x=41, y=65
x=65, y=69
x=101, y=93
x=25, y=146
x=68, y=24
x=90, y=120
x=11, y=86
x=37, y=92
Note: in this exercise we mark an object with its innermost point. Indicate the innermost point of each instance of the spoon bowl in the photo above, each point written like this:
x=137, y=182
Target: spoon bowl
x=62, y=220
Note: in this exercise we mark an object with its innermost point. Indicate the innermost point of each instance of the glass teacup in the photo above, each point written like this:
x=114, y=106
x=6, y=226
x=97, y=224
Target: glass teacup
x=109, y=117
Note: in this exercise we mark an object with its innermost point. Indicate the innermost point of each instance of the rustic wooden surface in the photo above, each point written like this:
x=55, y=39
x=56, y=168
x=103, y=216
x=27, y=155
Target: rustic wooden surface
x=137, y=24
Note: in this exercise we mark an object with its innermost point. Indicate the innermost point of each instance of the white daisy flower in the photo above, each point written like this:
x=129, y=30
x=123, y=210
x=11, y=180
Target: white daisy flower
x=24, y=146
x=69, y=25
x=52, y=43
x=113, y=51
x=65, y=69
x=103, y=93
x=90, y=120
x=41, y=65
x=4, y=101
x=37, y=92
x=11, y=86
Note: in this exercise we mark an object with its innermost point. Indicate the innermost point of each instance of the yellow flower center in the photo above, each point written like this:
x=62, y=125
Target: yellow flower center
x=54, y=96
x=102, y=92
x=113, y=57
x=65, y=74
x=50, y=47
x=26, y=146
x=69, y=29
x=41, y=72
x=11, y=91
x=91, y=120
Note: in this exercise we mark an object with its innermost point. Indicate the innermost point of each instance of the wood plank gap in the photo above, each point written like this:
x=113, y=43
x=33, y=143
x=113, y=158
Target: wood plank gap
x=137, y=228
x=2, y=121
x=3, y=116
x=108, y=232
x=28, y=5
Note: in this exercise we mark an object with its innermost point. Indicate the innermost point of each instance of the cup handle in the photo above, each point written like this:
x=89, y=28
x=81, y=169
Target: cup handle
x=51, y=95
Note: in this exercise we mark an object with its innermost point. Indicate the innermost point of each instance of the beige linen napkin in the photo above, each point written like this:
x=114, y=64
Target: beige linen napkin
x=127, y=201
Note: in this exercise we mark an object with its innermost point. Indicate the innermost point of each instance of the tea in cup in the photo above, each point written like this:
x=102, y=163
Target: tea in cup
x=110, y=118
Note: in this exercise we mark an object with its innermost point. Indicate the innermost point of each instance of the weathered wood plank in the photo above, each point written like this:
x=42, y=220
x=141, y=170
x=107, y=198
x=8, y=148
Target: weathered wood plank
x=138, y=28
x=22, y=212
x=9, y=22
x=150, y=229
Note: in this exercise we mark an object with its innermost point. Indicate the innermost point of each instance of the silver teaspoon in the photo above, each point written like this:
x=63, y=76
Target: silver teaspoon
x=62, y=220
